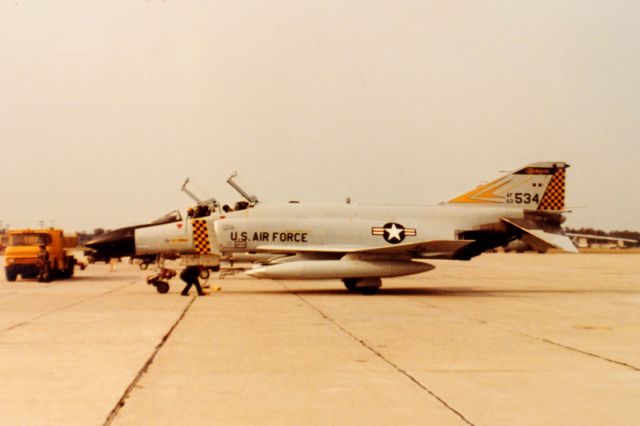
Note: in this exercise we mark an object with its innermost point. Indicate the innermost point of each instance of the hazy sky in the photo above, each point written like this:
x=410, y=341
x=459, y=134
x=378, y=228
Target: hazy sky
x=107, y=106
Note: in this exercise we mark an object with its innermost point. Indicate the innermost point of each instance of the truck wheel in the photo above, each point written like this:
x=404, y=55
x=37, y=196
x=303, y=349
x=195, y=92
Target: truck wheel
x=11, y=276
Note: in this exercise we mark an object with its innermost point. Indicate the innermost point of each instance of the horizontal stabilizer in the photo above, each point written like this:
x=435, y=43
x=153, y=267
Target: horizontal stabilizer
x=540, y=237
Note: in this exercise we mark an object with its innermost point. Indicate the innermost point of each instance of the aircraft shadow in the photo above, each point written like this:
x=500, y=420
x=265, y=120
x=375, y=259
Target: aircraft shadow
x=448, y=292
x=103, y=278
x=431, y=292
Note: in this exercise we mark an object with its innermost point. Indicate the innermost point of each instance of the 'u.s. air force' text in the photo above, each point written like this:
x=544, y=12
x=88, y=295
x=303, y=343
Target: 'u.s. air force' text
x=285, y=237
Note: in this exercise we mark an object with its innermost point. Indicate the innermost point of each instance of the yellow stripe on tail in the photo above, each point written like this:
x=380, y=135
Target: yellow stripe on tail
x=537, y=186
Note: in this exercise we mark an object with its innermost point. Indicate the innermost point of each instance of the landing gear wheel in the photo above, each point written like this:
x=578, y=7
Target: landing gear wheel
x=143, y=266
x=369, y=286
x=350, y=283
x=368, y=291
x=162, y=286
x=204, y=274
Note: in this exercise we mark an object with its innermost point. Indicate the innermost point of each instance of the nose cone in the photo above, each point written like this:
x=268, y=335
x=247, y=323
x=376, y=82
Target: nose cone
x=118, y=243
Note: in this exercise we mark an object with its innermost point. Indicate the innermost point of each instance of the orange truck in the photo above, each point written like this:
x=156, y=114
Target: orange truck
x=23, y=248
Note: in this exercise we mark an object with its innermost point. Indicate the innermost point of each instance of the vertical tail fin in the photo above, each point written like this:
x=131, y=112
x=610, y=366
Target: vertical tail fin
x=537, y=186
x=554, y=194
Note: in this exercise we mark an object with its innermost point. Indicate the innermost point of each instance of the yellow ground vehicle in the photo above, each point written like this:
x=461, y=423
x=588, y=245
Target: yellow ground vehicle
x=21, y=255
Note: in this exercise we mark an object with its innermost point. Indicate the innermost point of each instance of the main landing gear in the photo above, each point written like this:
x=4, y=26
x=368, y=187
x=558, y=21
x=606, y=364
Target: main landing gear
x=366, y=286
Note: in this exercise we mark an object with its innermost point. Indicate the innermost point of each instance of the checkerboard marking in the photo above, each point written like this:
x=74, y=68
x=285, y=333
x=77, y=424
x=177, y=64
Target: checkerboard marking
x=201, y=237
x=554, y=196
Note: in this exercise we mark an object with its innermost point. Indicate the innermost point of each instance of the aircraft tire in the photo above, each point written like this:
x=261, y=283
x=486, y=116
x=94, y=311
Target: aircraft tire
x=204, y=274
x=350, y=283
x=143, y=266
x=369, y=286
x=368, y=291
x=162, y=287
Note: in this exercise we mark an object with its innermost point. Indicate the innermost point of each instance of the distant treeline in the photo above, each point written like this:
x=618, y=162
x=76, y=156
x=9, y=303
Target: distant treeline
x=84, y=236
x=632, y=235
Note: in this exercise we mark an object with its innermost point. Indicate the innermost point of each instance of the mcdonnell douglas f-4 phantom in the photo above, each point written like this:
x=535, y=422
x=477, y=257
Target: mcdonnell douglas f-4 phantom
x=171, y=237
x=360, y=245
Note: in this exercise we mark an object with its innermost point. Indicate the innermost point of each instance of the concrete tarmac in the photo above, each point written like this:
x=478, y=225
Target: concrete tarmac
x=503, y=339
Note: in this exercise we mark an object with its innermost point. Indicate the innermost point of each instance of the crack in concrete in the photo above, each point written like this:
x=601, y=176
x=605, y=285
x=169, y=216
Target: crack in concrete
x=127, y=393
x=382, y=357
x=541, y=339
x=62, y=308
x=603, y=358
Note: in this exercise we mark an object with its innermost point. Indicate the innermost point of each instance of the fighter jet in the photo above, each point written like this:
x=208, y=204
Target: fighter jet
x=361, y=244
x=170, y=237
x=121, y=242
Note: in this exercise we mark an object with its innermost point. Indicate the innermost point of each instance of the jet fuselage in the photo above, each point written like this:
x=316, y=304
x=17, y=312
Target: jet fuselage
x=343, y=228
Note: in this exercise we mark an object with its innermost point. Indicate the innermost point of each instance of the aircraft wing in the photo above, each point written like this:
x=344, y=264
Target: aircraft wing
x=425, y=248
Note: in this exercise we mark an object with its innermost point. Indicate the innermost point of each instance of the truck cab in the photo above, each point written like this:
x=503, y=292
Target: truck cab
x=21, y=255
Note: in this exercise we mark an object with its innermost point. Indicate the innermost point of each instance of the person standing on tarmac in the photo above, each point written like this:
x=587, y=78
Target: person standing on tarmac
x=43, y=262
x=190, y=276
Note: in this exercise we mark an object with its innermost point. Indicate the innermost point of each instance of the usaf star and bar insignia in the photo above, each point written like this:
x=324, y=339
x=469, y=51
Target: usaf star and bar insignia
x=393, y=233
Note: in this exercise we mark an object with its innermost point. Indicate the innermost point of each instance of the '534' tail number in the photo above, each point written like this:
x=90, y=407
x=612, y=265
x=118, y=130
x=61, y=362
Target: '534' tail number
x=522, y=198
